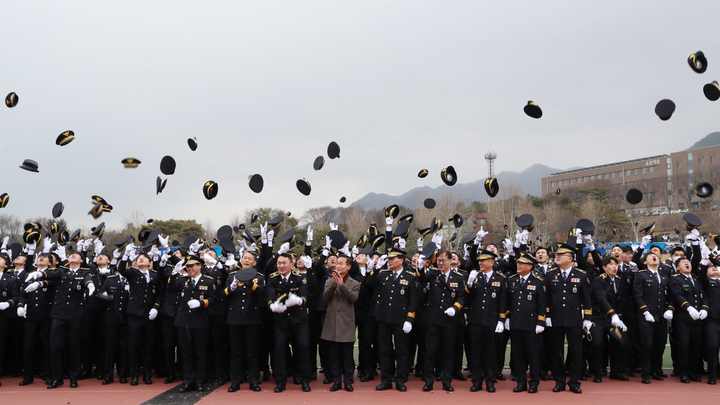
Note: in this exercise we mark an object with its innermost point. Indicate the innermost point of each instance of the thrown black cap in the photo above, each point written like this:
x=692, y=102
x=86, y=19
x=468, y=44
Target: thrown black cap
x=122, y=243
x=210, y=189
x=362, y=241
x=453, y=237
x=289, y=237
x=468, y=240
x=429, y=252
x=152, y=238
x=403, y=229
x=634, y=196
x=303, y=186
x=65, y=138
x=408, y=217
x=275, y=222
x=192, y=143
x=698, y=62
x=167, y=165
x=254, y=218
x=532, y=110
x=692, y=221
x=423, y=173
x=130, y=162
x=227, y=245
x=175, y=243
x=107, y=208
x=31, y=235
x=225, y=231
x=424, y=231
x=377, y=241
x=245, y=275
x=30, y=165
x=189, y=240
x=436, y=225
x=338, y=239
x=343, y=199
x=319, y=163
x=256, y=183
x=143, y=234
x=665, y=109
x=58, y=210
x=4, y=199
x=703, y=190
x=63, y=238
x=96, y=210
x=333, y=150
x=54, y=227
x=245, y=235
x=448, y=176
x=97, y=199
x=586, y=226
x=76, y=236
x=372, y=231
x=160, y=185
x=11, y=100
x=557, y=191
x=429, y=203
x=648, y=230
x=33, y=225
x=392, y=211
x=712, y=91
x=525, y=221
x=457, y=220
x=492, y=187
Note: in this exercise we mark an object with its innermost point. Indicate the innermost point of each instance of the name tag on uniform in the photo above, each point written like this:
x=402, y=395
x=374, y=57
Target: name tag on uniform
x=495, y=284
x=531, y=287
x=79, y=278
x=203, y=287
x=453, y=285
x=403, y=282
x=574, y=280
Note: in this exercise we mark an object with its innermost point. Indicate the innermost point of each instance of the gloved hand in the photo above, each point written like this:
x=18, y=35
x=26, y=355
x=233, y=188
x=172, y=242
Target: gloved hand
x=693, y=313
x=209, y=259
x=466, y=252
x=450, y=311
x=668, y=315
x=284, y=248
x=263, y=231
x=382, y=260
x=588, y=239
x=31, y=247
x=693, y=236
x=518, y=238
x=22, y=312
x=87, y=244
x=179, y=267
x=131, y=248
x=421, y=262
x=481, y=234
x=437, y=239
x=231, y=263
x=32, y=276
x=548, y=322
x=192, y=304
x=587, y=325
x=333, y=227
x=164, y=241
x=702, y=314
x=524, y=236
x=234, y=284
x=622, y=326
x=328, y=242
x=539, y=329
x=153, y=314
x=91, y=289
x=195, y=246
x=99, y=246
x=370, y=264
x=252, y=248
x=500, y=328
x=615, y=320
x=507, y=323
x=127, y=287
x=471, y=277
x=4, y=306
x=32, y=286
x=355, y=251
x=645, y=240
x=278, y=307
x=401, y=243
x=407, y=327
x=578, y=236
x=507, y=244
x=420, y=243
x=5, y=242
x=79, y=245
x=307, y=261
x=47, y=244
x=60, y=251
x=116, y=254
x=388, y=223
x=154, y=253
x=270, y=237
x=293, y=301
x=345, y=249
x=648, y=316
x=310, y=234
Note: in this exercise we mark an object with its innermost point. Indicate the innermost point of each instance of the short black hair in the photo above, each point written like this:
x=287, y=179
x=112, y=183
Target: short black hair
x=286, y=255
x=626, y=249
x=677, y=249
x=607, y=260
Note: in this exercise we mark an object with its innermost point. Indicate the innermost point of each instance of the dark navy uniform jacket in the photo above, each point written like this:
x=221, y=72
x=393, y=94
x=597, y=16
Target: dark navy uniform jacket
x=246, y=302
x=526, y=303
x=397, y=298
x=203, y=291
x=278, y=290
x=442, y=295
x=568, y=297
x=487, y=301
x=70, y=293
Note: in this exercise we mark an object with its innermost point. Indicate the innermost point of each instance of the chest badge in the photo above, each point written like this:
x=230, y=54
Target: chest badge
x=79, y=287
x=452, y=294
x=575, y=290
x=529, y=297
x=494, y=295
x=402, y=291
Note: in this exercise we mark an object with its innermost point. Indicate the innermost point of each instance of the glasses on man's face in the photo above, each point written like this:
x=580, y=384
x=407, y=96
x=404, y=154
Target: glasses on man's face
x=442, y=260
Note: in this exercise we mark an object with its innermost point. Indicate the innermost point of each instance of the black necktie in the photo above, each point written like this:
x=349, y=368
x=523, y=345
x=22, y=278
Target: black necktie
x=614, y=285
x=522, y=281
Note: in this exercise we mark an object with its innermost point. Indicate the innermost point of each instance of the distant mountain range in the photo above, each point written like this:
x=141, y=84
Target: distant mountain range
x=528, y=180
x=710, y=139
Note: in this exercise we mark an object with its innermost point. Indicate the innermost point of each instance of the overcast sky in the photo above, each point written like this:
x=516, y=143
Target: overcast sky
x=400, y=85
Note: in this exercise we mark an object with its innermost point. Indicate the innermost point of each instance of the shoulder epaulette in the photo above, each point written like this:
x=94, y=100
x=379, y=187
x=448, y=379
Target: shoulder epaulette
x=412, y=273
x=552, y=269
x=641, y=271
x=538, y=277
x=458, y=273
x=580, y=270
x=277, y=273
x=500, y=274
x=232, y=272
x=383, y=270
x=603, y=276
x=675, y=275
x=112, y=275
x=211, y=278
x=514, y=275
x=153, y=270
x=297, y=273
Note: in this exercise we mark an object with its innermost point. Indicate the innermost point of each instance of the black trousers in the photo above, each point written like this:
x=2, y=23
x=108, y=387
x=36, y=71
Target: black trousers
x=4, y=332
x=388, y=334
x=368, y=361
x=16, y=326
x=193, y=343
x=92, y=335
x=525, y=352
x=712, y=346
x=244, y=343
x=170, y=344
x=483, y=365
x=219, y=342
x=341, y=358
x=633, y=350
x=440, y=345
x=300, y=336
x=689, y=336
x=602, y=343
x=116, y=349
x=545, y=354
x=417, y=342
x=574, y=338
x=653, y=336
x=501, y=342
x=37, y=335
x=459, y=345
x=141, y=335
x=316, y=320
x=59, y=328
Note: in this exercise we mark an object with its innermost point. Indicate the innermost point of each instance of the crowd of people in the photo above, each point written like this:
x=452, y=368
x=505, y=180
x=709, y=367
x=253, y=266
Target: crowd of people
x=136, y=313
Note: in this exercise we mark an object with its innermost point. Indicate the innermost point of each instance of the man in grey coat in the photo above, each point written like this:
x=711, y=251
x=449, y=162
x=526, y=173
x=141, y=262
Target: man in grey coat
x=341, y=291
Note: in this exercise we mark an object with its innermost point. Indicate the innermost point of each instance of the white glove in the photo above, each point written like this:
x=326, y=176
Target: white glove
x=588, y=239
x=518, y=238
x=480, y=236
x=192, y=304
x=271, y=237
x=328, y=242
x=293, y=301
x=401, y=243
x=345, y=249
x=508, y=245
x=500, y=328
x=507, y=323
x=407, y=326
x=87, y=244
x=668, y=314
x=355, y=251
x=32, y=286
x=578, y=236
x=548, y=322
x=5, y=242
x=382, y=260
x=645, y=240
x=252, y=248
x=131, y=248
x=153, y=314
x=234, y=284
x=310, y=234
x=525, y=236
x=195, y=246
x=333, y=227
x=116, y=254
x=47, y=244
x=702, y=314
x=91, y=289
x=60, y=251
x=388, y=223
x=622, y=326
x=420, y=243
x=4, y=306
x=263, y=231
x=450, y=312
x=466, y=252
x=231, y=263
x=164, y=241
x=98, y=247
x=31, y=247
x=693, y=313
x=587, y=325
x=80, y=244
x=539, y=329
x=421, y=262
x=154, y=252
x=615, y=320
x=22, y=312
x=370, y=264
x=209, y=259
x=278, y=307
x=307, y=261
x=179, y=267
x=32, y=276
x=473, y=275
x=284, y=248
x=648, y=316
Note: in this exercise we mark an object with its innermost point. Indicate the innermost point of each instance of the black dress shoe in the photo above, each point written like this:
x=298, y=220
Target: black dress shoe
x=123, y=380
x=656, y=376
x=558, y=388
x=255, y=387
x=313, y=376
x=203, y=388
x=305, y=386
x=418, y=373
x=335, y=387
x=327, y=380
x=448, y=388
x=383, y=387
x=349, y=387
x=147, y=380
x=55, y=384
x=645, y=380
x=685, y=380
x=400, y=387
x=169, y=380
x=674, y=374
x=186, y=387
x=459, y=376
x=630, y=374
x=711, y=381
x=544, y=377
x=520, y=388
x=367, y=377
x=134, y=381
x=597, y=379
x=476, y=387
x=532, y=389
x=427, y=387
x=695, y=378
x=73, y=384
x=298, y=380
x=662, y=373
x=83, y=375
x=490, y=387
x=234, y=387
x=107, y=381
x=280, y=388
x=576, y=390
x=500, y=376
x=25, y=382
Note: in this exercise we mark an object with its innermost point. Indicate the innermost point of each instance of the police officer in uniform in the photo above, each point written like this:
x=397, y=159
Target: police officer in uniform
x=710, y=276
x=9, y=298
x=116, y=291
x=690, y=309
